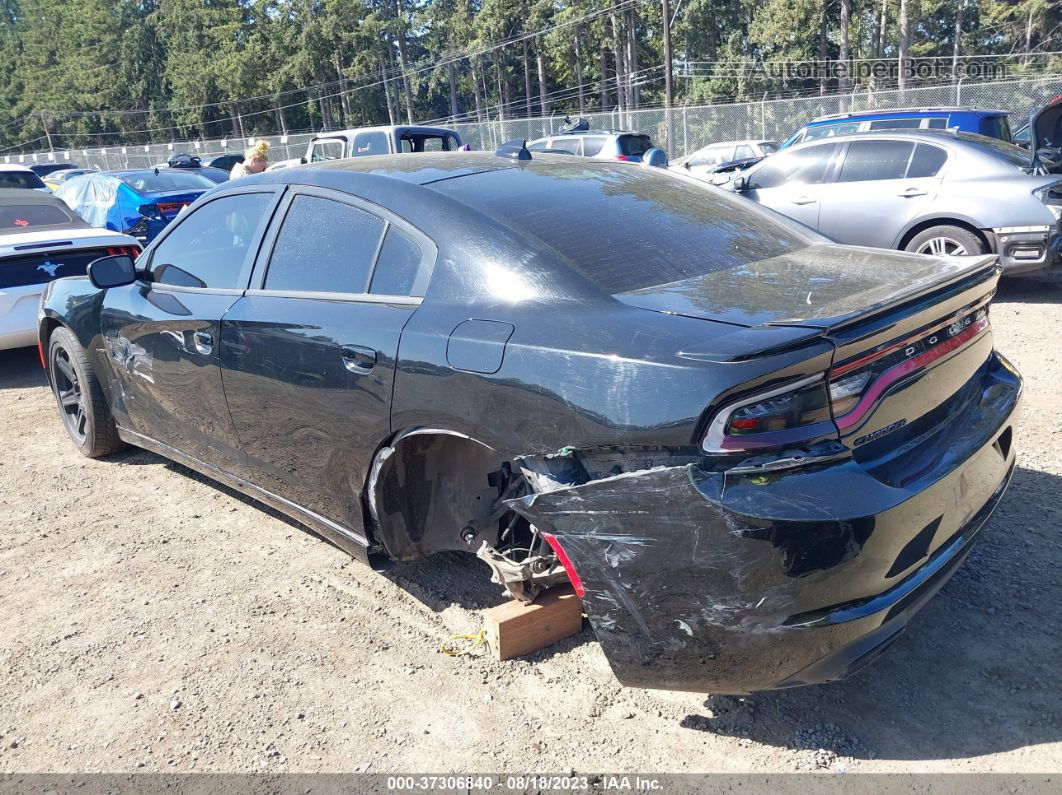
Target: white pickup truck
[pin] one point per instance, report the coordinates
(365, 141)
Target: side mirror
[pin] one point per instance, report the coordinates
(686, 165)
(116, 271)
(739, 184)
(303, 160)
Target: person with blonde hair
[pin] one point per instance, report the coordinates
(255, 160)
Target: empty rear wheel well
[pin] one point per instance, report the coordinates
(943, 222)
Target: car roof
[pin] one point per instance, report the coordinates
(860, 114)
(952, 136)
(384, 128)
(14, 167)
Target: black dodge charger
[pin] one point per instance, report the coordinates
(753, 453)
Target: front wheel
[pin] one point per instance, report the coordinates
(77, 391)
(946, 240)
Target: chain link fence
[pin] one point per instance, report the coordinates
(688, 128)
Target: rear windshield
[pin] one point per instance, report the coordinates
(165, 181)
(624, 228)
(20, 179)
(15, 217)
(1015, 154)
(635, 145)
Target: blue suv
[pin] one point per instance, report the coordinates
(992, 123)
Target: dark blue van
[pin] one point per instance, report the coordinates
(992, 123)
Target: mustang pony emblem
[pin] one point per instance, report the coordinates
(49, 267)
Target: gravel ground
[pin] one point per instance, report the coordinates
(155, 621)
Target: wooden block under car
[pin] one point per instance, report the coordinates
(515, 628)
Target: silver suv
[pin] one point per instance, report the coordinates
(578, 139)
(931, 192)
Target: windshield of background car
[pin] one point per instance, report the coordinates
(625, 228)
(634, 145)
(996, 127)
(830, 130)
(165, 181)
(798, 167)
(20, 179)
(15, 217)
(768, 147)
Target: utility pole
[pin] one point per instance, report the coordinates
(47, 133)
(668, 96)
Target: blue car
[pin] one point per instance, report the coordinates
(992, 123)
(139, 203)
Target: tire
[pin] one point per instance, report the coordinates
(82, 407)
(946, 240)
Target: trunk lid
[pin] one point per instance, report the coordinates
(824, 286)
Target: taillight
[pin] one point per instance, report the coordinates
(623, 157)
(787, 415)
(151, 211)
(127, 251)
(566, 563)
(857, 385)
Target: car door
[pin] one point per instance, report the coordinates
(793, 181)
(881, 185)
(308, 355)
(162, 333)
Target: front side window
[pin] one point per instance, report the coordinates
(324, 246)
(209, 247)
(537, 146)
(330, 149)
(743, 152)
(874, 160)
(800, 167)
(370, 143)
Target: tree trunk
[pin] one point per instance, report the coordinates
(884, 22)
(822, 47)
(344, 100)
(278, 115)
(905, 44)
(875, 36)
(475, 89)
(1029, 31)
(603, 68)
(543, 102)
(452, 69)
(579, 74)
(618, 49)
(400, 13)
(632, 62)
(387, 91)
(527, 81)
(846, 14)
(956, 44)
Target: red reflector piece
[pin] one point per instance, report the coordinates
(623, 157)
(566, 563)
(21, 222)
(40, 353)
(170, 207)
(745, 424)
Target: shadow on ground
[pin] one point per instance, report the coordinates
(20, 368)
(984, 652)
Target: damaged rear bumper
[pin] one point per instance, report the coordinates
(707, 581)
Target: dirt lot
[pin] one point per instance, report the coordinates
(152, 620)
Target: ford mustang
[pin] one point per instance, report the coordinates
(753, 453)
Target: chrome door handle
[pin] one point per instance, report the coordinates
(358, 359)
(912, 192)
(804, 200)
(204, 342)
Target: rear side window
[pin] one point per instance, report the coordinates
(331, 149)
(634, 145)
(593, 144)
(209, 247)
(895, 124)
(20, 179)
(421, 142)
(14, 217)
(927, 161)
(937, 124)
(397, 267)
(800, 167)
(996, 127)
(324, 246)
(569, 144)
(872, 160)
(371, 143)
